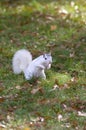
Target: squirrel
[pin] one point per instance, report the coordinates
(22, 62)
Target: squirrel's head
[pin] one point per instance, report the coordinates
(47, 57)
(47, 60)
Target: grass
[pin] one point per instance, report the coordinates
(56, 26)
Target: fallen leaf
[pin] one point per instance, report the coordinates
(60, 117)
(10, 117)
(74, 124)
(72, 3)
(67, 125)
(54, 88)
(1, 117)
(81, 114)
(64, 106)
(2, 99)
(27, 128)
(53, 27)
(35, 90)
(18, 87)
(2, 125)
(72, 55)
(44, 101)
(50, 18)
(63, 11)
(73, 79)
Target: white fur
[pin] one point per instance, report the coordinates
(22, 61)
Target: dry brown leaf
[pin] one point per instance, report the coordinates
(35, 90)
(27, 128)
(44, 101)
(53, 27)
(18, 87)
(50, 18)
(2, 99)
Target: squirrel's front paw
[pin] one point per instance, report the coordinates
(49, 66)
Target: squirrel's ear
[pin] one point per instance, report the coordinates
(44, 55)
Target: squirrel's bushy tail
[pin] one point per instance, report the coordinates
(21, 59)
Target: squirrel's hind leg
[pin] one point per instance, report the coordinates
(28, 76)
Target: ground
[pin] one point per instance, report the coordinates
(58, 27)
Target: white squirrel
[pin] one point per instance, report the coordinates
(22, 62)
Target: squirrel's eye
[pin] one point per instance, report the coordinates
(45, 58)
